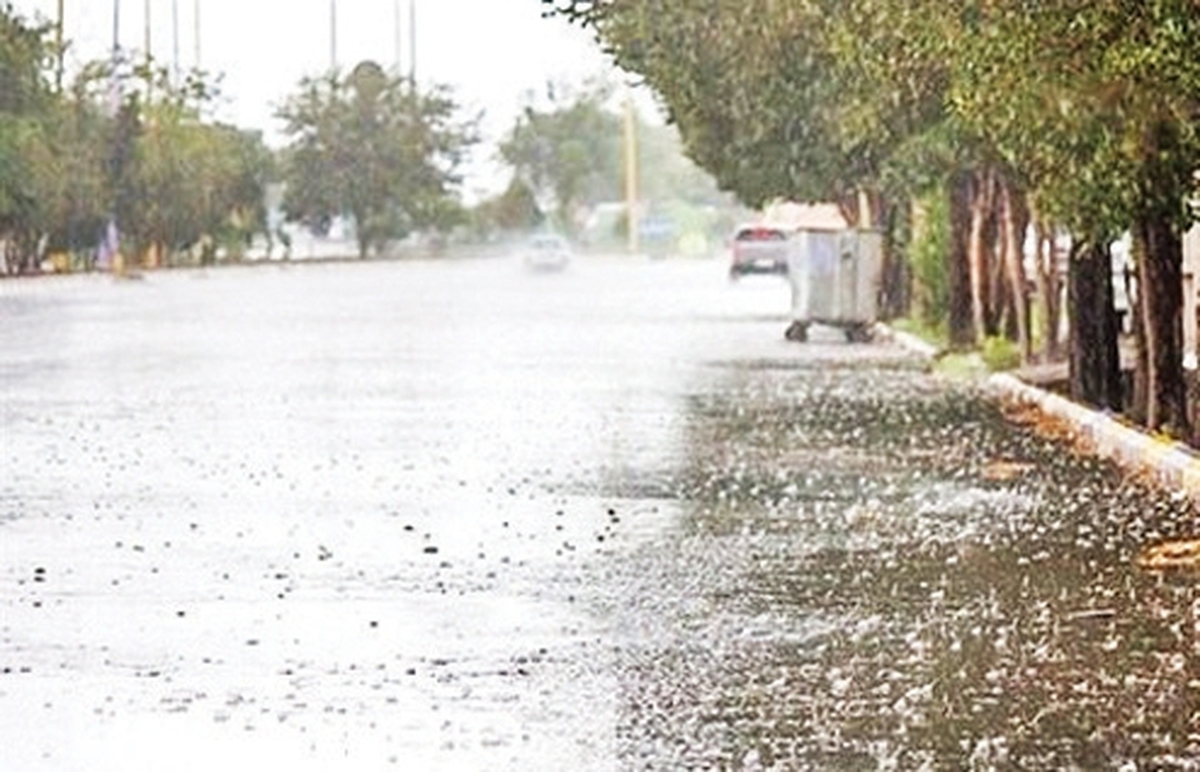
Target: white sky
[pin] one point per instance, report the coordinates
(492, 52)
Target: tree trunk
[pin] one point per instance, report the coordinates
(1050, 291)
(362, 233)
(1095, 364)
(1160, 314)
(959, 267)
(848, 205)
(6, 254)
(1014, 221)
(997, 316)
(897, 290)
(875, 212)
(977, 257)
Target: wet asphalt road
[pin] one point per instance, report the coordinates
(459, 516)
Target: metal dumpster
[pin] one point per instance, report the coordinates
(835, 278)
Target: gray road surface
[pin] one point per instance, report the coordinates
(459, 516)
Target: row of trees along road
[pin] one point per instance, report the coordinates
(131, 143)
(1075, 116)
(123, 142)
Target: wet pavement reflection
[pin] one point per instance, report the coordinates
(458, 516)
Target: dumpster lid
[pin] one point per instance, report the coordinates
(795, 216)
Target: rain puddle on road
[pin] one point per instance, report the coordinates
(875, 570)
(337, 517)
(453, 516)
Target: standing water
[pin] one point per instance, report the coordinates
(455, 515)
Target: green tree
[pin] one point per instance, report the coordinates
(371, 146)
(25, 98)
(1095, 102)
(515, 209)
(1085, 109)
(174, 181)
(762, 94)
(73, 183)
(568, 153)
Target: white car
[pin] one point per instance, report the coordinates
(547, 252)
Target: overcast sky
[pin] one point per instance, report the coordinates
(492, 52)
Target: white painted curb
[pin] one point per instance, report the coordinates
(1171, 464)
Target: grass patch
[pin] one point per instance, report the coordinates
(935, 335)
(965, 365)
(1000, 354)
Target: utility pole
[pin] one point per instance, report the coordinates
(412, 43)
(631, 175)
(175, 39)
(196, 30)
(111, 240)
(333, 35)
(398, 35)
(114, 85)
(148, 35)
(149, 47)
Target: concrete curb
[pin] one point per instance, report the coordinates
(1171, 464)
(910, 342)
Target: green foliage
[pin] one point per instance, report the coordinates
(24, 49)
(515, 209)
(929, 256)
(967, 366)
(800, 100)
(1000, 354)
(1088, 104)
(934, 334)
(568, 154)
(371, 146)
(121, 141)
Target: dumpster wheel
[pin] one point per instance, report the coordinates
(859, 333)
(797, 332)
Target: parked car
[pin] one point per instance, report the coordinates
(759, 249)
(546, 252)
